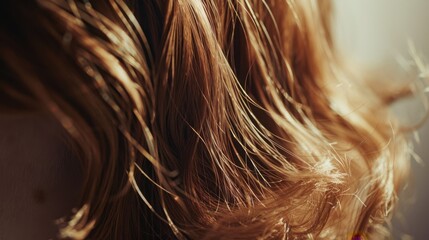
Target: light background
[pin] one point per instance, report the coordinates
(373, 32)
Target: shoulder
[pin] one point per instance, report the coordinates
(39, 178)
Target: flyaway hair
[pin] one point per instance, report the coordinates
(206, 119)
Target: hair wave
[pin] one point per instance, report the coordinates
(228, 119)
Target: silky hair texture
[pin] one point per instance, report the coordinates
(206, 119)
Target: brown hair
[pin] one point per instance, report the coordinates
(229, 119)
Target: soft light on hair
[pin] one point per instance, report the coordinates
(228, 119)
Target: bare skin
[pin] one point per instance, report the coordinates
(39, 177)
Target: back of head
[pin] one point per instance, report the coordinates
(205, 119)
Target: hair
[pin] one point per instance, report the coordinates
(204, 119)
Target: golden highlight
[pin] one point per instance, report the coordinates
(204, 119)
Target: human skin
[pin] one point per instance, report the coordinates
(39, 177)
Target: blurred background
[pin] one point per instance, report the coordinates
(376, 33)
